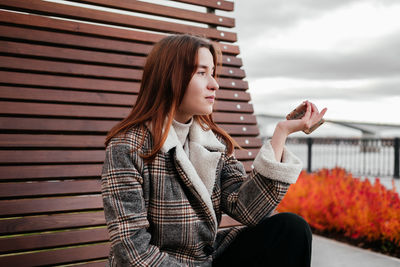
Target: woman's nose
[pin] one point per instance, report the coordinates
(212, 84)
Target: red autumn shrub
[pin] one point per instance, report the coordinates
(333, 200)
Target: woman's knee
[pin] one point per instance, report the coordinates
(291, 223)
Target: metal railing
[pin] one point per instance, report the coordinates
(377, 157)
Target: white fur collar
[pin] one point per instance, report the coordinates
(197, 135)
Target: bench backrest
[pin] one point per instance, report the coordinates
(68, 73)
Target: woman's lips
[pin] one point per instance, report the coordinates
(210, 99)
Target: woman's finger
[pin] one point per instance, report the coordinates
(322, 114)
(307, 115)
(314, 108)
(313, 113)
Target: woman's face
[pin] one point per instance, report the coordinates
(200, 94)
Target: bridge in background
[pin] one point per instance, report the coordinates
(367, 129)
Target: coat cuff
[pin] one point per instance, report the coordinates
(286, 171)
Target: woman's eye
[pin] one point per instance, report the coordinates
(202, 73)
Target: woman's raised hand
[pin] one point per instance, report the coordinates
(311, 117)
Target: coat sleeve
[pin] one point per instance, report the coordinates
(125, 211)
(249, 199)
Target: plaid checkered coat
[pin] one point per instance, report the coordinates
(167, 212)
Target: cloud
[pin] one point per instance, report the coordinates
(298, 90)
(332, 47)
(380, 60)
(256, 16)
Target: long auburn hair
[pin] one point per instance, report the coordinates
(166, 75)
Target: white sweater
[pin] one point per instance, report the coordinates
(182, 131)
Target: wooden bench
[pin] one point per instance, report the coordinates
(68, 73)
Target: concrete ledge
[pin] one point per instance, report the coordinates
(330, 253)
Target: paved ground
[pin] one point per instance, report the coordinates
(330, 253)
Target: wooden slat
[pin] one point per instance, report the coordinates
(97, 263)
(53, 52)
(66, 96)
(38, 21)
(54, 81)
(228, 117)
(248, 165)
(49, 240)
(98, 16)
(45, 109)
(78, 141)
(76, 69)
(50, 171)
(76, 41)
(233, 84)
(48, 140)
(52, 257)
(246, 154)
(73, 237)
(100, 126)
(68, 82)
(243, 130)
(71, 156)
(233, 95)
(249, 142)
(227, 221)
(26, 93)
(79, 69)
(231, 60)
(48, 51)
(220, 4)
(241, 107)
(49, 188)
(84, 170)
(61, 221)
(48, 205)
(231, 72)
(165, 11)
(227, 48)
(59, 125)
(51, 156)
(51, 222)
(94, 30)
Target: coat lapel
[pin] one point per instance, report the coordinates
(205, 153)
(200, 169)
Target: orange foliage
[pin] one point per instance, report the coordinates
(334, 200)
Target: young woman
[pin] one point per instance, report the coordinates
(170, 173)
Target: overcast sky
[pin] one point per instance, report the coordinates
(340, 54)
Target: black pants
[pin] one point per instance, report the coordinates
(281, 240)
